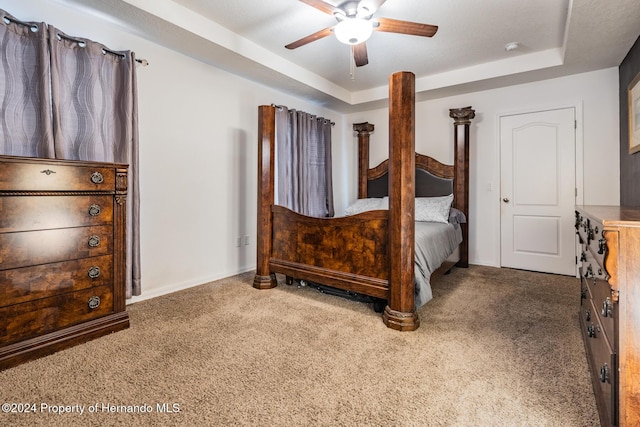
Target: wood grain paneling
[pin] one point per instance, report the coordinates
(355, 244)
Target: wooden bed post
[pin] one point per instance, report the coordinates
(400, 311)
(264, 279)
(461, 123)
(364, 130)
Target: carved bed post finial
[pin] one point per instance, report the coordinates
(462, 116)
(461, 123)
(264, 279)
(364, 130)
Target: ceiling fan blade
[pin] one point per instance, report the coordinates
(322, 6)
(404, 27)
(310, 38)
(360, 54)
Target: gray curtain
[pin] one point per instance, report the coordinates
(71, 98)
(95, 118)
(304, 177)
(26, 128)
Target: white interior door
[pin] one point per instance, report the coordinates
(538, 188)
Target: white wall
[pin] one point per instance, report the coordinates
(198, 153)
(595, 96)
(198, 150)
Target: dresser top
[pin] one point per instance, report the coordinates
(613, 215)
(62, 162)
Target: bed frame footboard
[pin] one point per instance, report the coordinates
(349, 253)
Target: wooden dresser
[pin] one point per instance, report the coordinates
(610, 309)
(62, 254)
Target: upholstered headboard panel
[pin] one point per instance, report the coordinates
(432, 178)
(427, 185)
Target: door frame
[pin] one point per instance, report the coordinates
(579, 161)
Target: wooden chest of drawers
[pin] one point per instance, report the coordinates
(610, 309)
(62, 254)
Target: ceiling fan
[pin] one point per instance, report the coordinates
(356, 24)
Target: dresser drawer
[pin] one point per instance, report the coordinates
(34, 318)
(42, 247)
(20, 285)
(600, 295)
(18, 213)
(593, 272)
(25, 176)
(601, 359)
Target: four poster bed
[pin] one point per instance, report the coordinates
(371, 253)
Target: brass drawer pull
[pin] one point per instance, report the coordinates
(94, 241)
(47, 172)
(589, 272)
(604, 373)
(602, 246)
(94, 272)
(97, 178)
(94, 302)
(94, 210)
(607, 307)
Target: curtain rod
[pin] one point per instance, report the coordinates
(82, 43)
(281, 107)
(34, 27)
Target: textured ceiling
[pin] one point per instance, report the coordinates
(247, 37)
(469, 33)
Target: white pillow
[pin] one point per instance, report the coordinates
(433, 209)
(364, 205)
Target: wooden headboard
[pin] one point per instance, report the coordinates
(432, 178)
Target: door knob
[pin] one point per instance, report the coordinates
(506, 200)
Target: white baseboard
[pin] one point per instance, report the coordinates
(175, 287)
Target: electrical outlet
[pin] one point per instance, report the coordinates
(238, 242)
(246, 240)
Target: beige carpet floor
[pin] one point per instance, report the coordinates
(496, 347)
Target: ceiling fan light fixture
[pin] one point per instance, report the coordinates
(353, 31)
